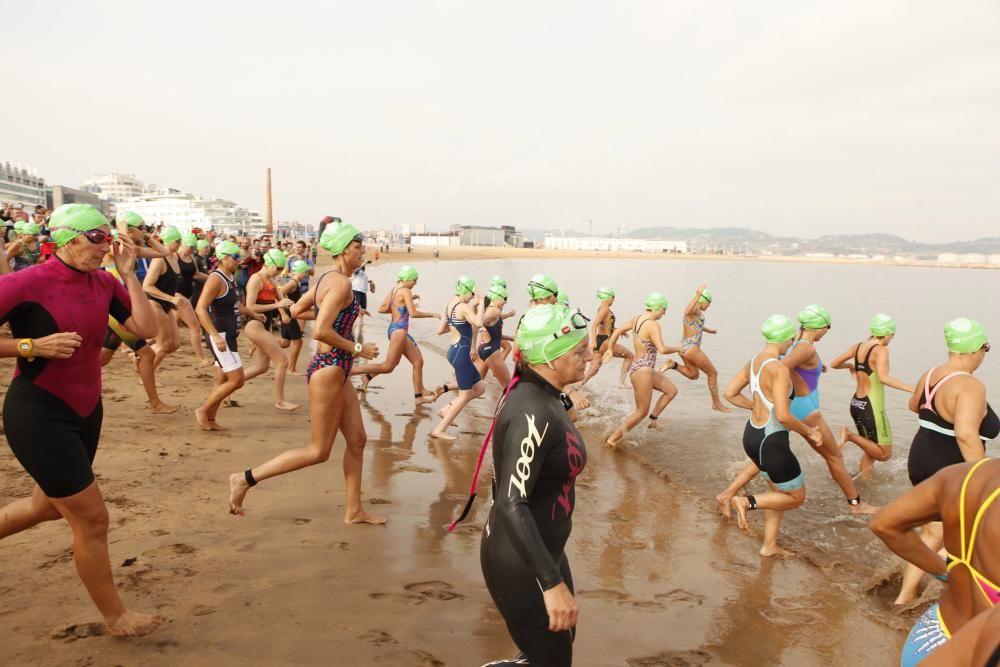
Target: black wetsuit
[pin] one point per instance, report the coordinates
(224, 311)
(292, 330)
(537, 455)
(166, 283)
(185, 283)
(203, 266)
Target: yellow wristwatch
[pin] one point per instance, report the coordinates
(25, 348)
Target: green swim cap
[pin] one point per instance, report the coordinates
(605, 293)
(203, 243)
(19, 226)
(131, 219)
(31, 228)
(497, 292)
(814, 316)
(170, 234)
(965, 335)
(274, 257)
(300, 267)
(562, 298)
(882, 325)
(226, 248)
(337, 237)
(778, 329)
(549, 331)
(465, 285)
(407, 273)
(706, 296)
(497, 280)
(541, 287)
(656, 301)
(189, 240)
(70, 220)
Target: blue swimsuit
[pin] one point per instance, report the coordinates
(495, 332)
(803, 406)
(403, 323)
(458, 354)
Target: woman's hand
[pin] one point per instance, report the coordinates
(123, 252)
(368, 351)
(219, 342)
(561, 607)
(56, 346)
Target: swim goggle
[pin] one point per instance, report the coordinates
(577, 321)
(541, 286)
(95, 236)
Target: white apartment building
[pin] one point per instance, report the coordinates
(612, 245)
(114, 187)
(21, 185)
(187, 211)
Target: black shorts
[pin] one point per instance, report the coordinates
(772, 454)
(291, 331)
(599, 342)
(55, 445)
(166, 305)
(362, 298)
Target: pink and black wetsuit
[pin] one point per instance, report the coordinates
(537, 455)
(52, 412)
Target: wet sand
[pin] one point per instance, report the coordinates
(661, 580)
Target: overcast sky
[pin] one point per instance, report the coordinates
(790, 117)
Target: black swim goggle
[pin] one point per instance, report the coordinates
(534, 284)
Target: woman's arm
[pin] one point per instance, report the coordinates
(781, 388)
(657, 339)
(253, 289)
(970, 407)
(595, 326)
(156, 269)
(734, 390)
(338, 295)
(411, 307)
(303, 308)
(882, 368)
(615, 335)
(846, 360)
(914, 403)
(798, 355)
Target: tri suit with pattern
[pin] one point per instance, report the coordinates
(537, 455)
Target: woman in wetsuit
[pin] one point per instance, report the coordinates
(399, 305)
(52, 411)
(603, 328)
(955, 422)
(695, 360)
(463, 321)
(219, 309)
(647, 340)
(806, 366)
(160, 285)
(333, 403)
(25, 251)
(964, 497)
(868, 361)
(491, 351)
(291, 329)
(263, 298)
(765, 437)
(190, 275)
(537, 456)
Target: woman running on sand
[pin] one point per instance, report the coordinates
(647, 339)
(463, 321)
(52, 412)
(265, 298)
(333, 403)
(695, 360)
(603, 327)
(491, 352)
(218, 312)
(399, 305)
(537, 456)
(868, 361)
(806, 366)
(190, 276)
(765, 438)
(160, 285)
(955, 421)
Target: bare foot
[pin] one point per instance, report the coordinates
(614, 439)
(292, 371)
(440, 435)
(842, 441)
(159, 385)
(438, 392)
(205, 363)
(423, 400)
(134, 624)
(203, 421)
(863, 508)
(719, 407)
(741, 505)
(161, 408)
(770, 552)
(215, 425)
(669, 365)
(364, 517)
(904, 600)
(656, 424)
(238, 488)
(725, 508)
(365, 380)
(286, 406)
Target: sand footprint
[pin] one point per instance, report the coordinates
(301, 522)
(409, 658)
(436, 590)
(377, 638)
(678, 595)
(71, 633)
(671, 659)
(407, 599)
(410, 467)
(602, 594)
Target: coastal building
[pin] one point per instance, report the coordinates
(58, 195)
(972, 258)
(115, 186)
(435, 240)
(948, 258)
(993, 259)
(415, 229)
(20, 185)
(497, 237)
(187, 211)
(602, 244)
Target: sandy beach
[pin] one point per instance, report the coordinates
(661, 580)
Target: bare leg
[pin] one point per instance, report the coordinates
(145, 364)
(186, 313)
(167, 336)
(724, 499)
(496, 364)
(326, 409)
(416, 359)
(774, 503)
(88, 518)
(353, 428)
(225, 385)
(695, 357)
(873, 451)
(626, 354)
(834, 458)
(464, 396)
(255, 332)
(668, 390)
(642, 387)
(271, 351)
(27, 512)
(933, 536)
(293, 357)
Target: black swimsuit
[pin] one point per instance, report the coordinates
(537, 455)
(166, 283)
(185, 283)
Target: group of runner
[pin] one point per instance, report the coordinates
(537, 450)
